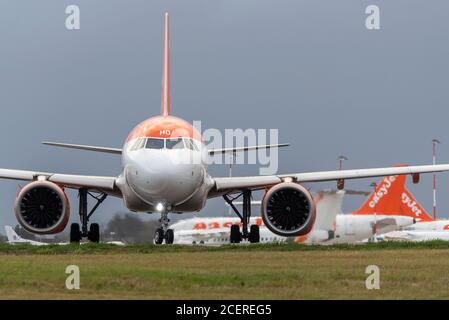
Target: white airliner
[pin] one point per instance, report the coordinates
(426, 228)
(157, 177)
(331, 225)
(14, 238)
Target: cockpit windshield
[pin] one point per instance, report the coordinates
(161, 143)
(138, 144)
(155, 143)
(175, 143)
(190, 144)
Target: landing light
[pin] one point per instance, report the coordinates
(159, 207)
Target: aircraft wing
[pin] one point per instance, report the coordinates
(83, 147)
(225, 185)
(119, 151)
(247, 148)
(93, 183)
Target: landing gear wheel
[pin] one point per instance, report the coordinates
(169, 236)
(158, 236)
(94, 233)
(75, 233)
(236, 236)
(254, 234)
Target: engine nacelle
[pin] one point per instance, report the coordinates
(42, 207)
(288, 209)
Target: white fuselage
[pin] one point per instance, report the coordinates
(437, 225)
(420, 231)
(415, 236)
(348, 229)
(26, 241)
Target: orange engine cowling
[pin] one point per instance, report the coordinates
(42, 207)
(288, 209)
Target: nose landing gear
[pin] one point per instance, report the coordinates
(164, 233)
(158, 236)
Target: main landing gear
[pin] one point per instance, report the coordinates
(253, 234)
(164, 233)
(92, 233)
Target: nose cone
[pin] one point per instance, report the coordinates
(162, 176)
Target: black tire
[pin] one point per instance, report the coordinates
(236, 236)
(169, 236)
(158, 236)
(254, 234)
(75, 233)
(94, 233)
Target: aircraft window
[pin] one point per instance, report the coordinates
(174, 143)
(138, 144)
(196, 144)
(155, 143)
(132, 146)
(190, 145)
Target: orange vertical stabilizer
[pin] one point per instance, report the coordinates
(391, 197)
(166, 100)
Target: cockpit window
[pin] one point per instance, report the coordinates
(190, 145)
(160, 143)
(175, 143)
(138, 144)
(155, 143)
(196, 144)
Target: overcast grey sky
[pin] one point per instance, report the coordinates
(309, 68)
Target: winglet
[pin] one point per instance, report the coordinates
(166, 100)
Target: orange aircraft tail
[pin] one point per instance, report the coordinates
(391, 197)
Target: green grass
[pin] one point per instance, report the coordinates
(283, 271)
(90, 248)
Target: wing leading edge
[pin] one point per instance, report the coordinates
(83, 147)
(94, 183)
(234, 184)
(119, 151)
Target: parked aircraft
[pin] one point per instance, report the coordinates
(405, 204)
(14, 238)
(331, 225)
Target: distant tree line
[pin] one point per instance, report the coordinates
(126, 227)
(129, 228)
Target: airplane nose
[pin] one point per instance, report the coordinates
(160, 179)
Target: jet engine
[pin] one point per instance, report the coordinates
(42, 207)
(288, 209)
